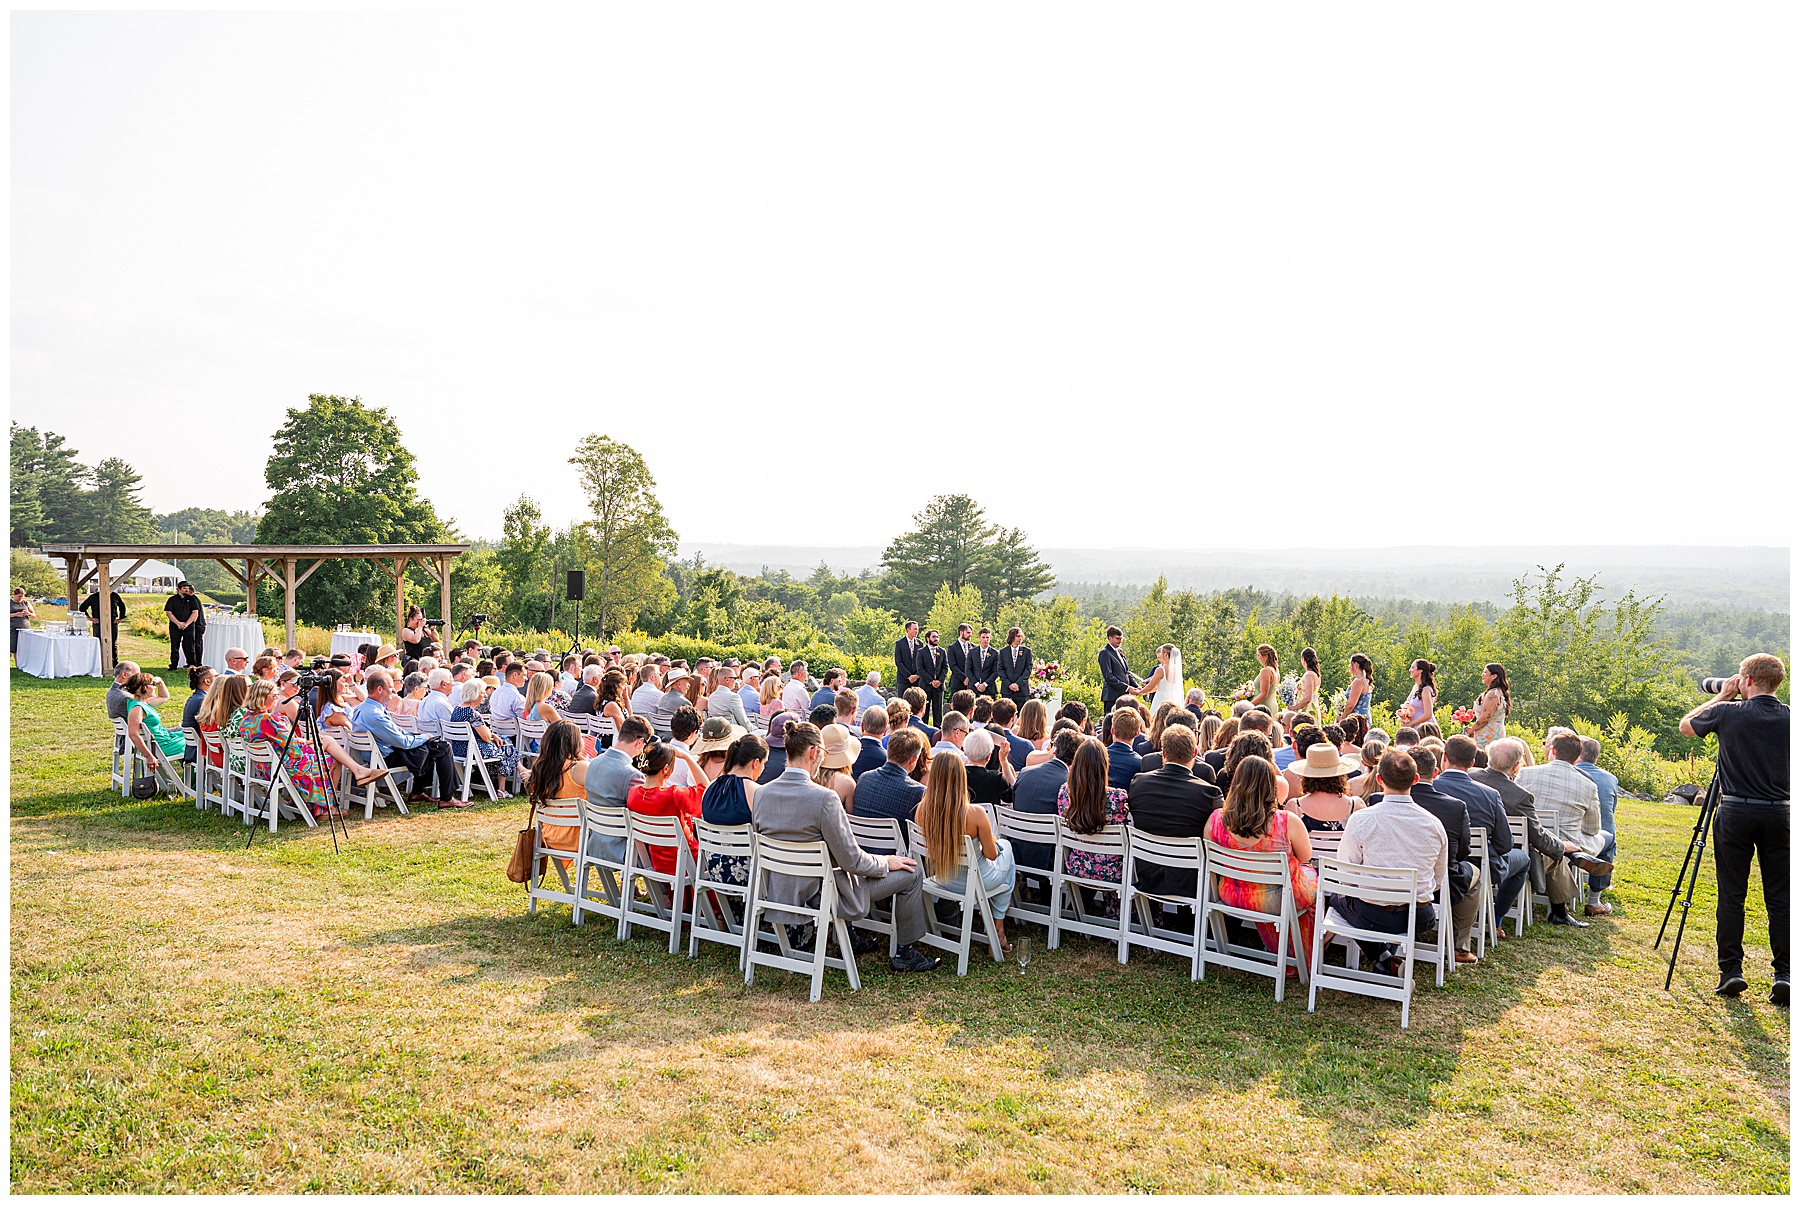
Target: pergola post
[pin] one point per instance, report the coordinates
(72, 568)
(287, 572)
(104, 617)
(250, 576)
(444, 595)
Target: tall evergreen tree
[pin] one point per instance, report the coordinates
(952, 544)
(114, 515)
(1012, 569)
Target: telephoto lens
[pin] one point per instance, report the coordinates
(1713, 686)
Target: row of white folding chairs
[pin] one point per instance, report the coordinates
(607, 883)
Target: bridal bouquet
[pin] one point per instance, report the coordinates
(1043, 676)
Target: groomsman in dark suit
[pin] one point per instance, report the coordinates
(961, 654)
(933, 667)
(1116, 678)
(1015, 668)
(984, 665)
(906, 657)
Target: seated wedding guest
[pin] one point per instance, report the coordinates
(1400, 834)
(264, 668)
(1076, 710)
(990, 776)
(1353, 730)
(607, 780)
(427, 757)
(1405, 737)
(750, 689)
(843, 705)
(1181, 718)
(795, 696)
(690, 690)
(915, 705)
(954, 732)
(1170, 802)
(1220, 748)
(237, 661)
(888, 790)
(899, 716)
(335, 703)
(832, 682)
(1195, 702)
(724, 701)
(222, 701)
(1285, 759)
(658, 795)
(648, 692)
(490, 749)
(562, 774)
(586, 698)
(769, 698)
(1017, 747)
(1453, 814)
(412, 693)
(144, 726)
(960, 700)
(508, 700)
(1036, 790)
(982, 714)
(538, 705)
(1568, 805)
(1034, 729)
(728, 800)
(1088, 803)
(713, 742)
(434, 711)
(615, 701)
(869, 693)
(841, 751)
(1210, 723)
(945, 817)
(822, 715)
(1323, 803)
(682, 727)
(777, 742)
(1252, 819)
(1249, 745)
(1608, 787)
(256, 721)
(287, 695)
(1507, 867)
(200, 680)
(794, 808)
(874, 750)
(1123, 761)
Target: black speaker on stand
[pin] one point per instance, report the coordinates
(576, 592)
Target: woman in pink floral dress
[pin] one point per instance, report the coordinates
(1087, 804)
(1251, 819)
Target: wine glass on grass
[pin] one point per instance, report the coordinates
(1024, 953)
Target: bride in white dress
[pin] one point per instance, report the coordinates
(1166, 681)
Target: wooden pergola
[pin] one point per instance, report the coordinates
(280, 563)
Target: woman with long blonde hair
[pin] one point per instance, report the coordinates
(945, 817)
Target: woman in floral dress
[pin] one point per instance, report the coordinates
(504, 752)
(258, 721)
(1251, 819)
(1491, 708)
(1087, 804)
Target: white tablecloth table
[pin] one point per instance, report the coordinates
(45, 656)
(349, 642)
(230, 631)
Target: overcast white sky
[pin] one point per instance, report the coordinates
(1531, 264)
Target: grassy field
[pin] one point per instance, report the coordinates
(187, 1015)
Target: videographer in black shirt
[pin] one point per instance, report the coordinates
(1752, 816)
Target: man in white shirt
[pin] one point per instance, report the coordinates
(683, 724)
(649, 690)
(508, 700)
(794, 696)
(868, 695)
(1398, 833)
(435, 708)
(952, 735)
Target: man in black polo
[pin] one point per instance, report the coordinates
(1752, 818)
(187, 624)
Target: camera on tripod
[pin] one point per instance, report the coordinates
(477, 619)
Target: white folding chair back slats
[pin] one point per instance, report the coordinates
(127, 759)
(717, 913)
(1375, 885)
(547, 859)
(362, 745)
(280, 795)
(1174, 853)
(613, 830)
(1520, 912)
(1324, 842)
(879, 835)
(470, 764)
(529, 730)
(805, 860)
(1441, 953)
(971, 898)
(1108, 842)
(1484, 911)
(211, 774)
(190, 770)
(1035, 828)
(1265, 868)
(665, 893)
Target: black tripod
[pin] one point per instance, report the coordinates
(1695, 855)
(305, 716)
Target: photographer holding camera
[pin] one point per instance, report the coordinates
(1752, 816)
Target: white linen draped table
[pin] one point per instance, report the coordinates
(230, 631)
(53, 656)
(349, 642)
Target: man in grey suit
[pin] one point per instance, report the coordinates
(1550, 869)
(795, 808)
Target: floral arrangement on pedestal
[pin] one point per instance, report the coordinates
(1043, 676)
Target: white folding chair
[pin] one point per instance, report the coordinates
(1325, 843)
(471, 763)
(564, 813)
(612, 829)
(530, 730)
(1441, 953)
(1037, 828)
(363, 747)
(126, 760)
(1109, 841)
(665, 892)
(237, 777)
(1172, 853)
(405, 723)
(1374, 885)
(801, 860)
(971, 897)
(211, 774)
(190, 770)
(1520, 912)
(880, 835)
(603, 730)
(506, 729)
(1267, 868)
(719, 907)
(1484, 911)
(267, 773)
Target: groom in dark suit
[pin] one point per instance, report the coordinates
(906, 656)
(1116, 678)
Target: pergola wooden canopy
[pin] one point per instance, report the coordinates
(278, 562)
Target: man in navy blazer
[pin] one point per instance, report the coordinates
(1508, 868)
(960, 653)
(932, 666)
(1015, 668)
(1035, 791)
(984, 664)
(906, 655)
(1116, 678)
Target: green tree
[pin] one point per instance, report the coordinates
(871, 632)
(951, 607)
(46, 490)
(342, 475)
(525, 569)
(1012, 569)
(630, 538)
(112, 512)
(38, 577)
(949, 545)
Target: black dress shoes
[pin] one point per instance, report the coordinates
(1560, 916)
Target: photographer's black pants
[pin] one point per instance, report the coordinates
(428, 762)
(1740, 830)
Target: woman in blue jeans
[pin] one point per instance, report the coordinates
(945, 817)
